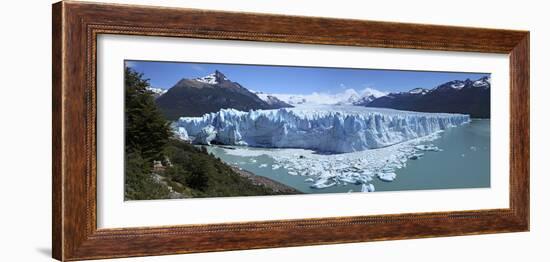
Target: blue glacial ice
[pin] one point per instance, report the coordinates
(331, 129)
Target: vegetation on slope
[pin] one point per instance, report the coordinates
(187, 171)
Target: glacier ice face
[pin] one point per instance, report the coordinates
(181, 133)
(323, 128)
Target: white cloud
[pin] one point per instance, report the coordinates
(372, 91)
(329, 98)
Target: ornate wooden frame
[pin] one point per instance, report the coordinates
(76, 26)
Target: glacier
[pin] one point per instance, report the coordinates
(322, 128)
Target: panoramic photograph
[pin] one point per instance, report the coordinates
(196, 130)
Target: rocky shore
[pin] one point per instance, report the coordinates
(269, 183)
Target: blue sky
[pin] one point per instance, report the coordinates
(297, 80)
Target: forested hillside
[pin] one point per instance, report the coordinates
(181, 170)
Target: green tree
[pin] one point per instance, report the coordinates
(147, 131)
(200, 169)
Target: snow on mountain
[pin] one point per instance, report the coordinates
(373, 92)
(157, 91)
(196, 97)
(483, 82)
(419, 90)
(467, 96)
(458, 85)
(272, 100)
(212, 79)
(347, 97)
(465, 84)
(324, 128)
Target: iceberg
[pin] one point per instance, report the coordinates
(322, 128)
(388, 177)
(367, 188)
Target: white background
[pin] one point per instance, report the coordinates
(25, 147)
(114, 212)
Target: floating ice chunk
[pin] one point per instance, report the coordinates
(416, 156)
(473, 148)
(323, 183)
(351, 180)
(263, 165)
(253, 160)
(428, 148)
(388, 177)
(367, 188)
(275, 167)
(309, 180)
(292, 173)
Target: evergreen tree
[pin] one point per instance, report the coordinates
(147, 131)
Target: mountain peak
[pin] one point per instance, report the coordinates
(468, 83)
(213, 78)
(418, 90)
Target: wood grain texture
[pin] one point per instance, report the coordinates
(76, 26)
(57, 195)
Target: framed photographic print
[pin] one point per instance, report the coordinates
(182, 130)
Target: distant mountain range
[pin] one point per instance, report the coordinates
(471, 97)
(196, 97)
(347, 97)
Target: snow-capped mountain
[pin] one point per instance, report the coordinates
(471, 97)
(325, 128)
(272, 100)
(419, 91)
(213, 79)
(347, 97)
(157, 91)
(196, 97)
(484, 82)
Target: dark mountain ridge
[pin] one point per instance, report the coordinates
(458, 96)
(196, 97)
